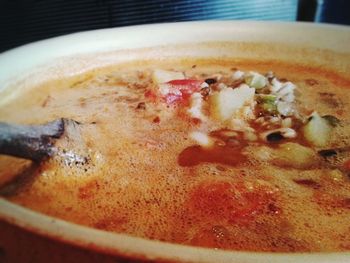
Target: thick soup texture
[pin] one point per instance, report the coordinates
(237, 155)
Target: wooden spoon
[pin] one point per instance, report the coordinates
(32, 142)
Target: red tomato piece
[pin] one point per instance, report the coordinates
(186, 85)
(149, 94)
(181, 89)
(225, 200)
(346, 165)
(171, 98)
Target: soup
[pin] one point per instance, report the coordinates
(237, 155)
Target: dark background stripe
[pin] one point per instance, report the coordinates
(24, 21)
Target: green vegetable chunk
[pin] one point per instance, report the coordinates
(317, 131)
(268, 103)
(255, 80)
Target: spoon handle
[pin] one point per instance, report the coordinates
(33, 142)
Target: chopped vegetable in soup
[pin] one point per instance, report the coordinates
(220, 154)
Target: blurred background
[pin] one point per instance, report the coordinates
(24, 21)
